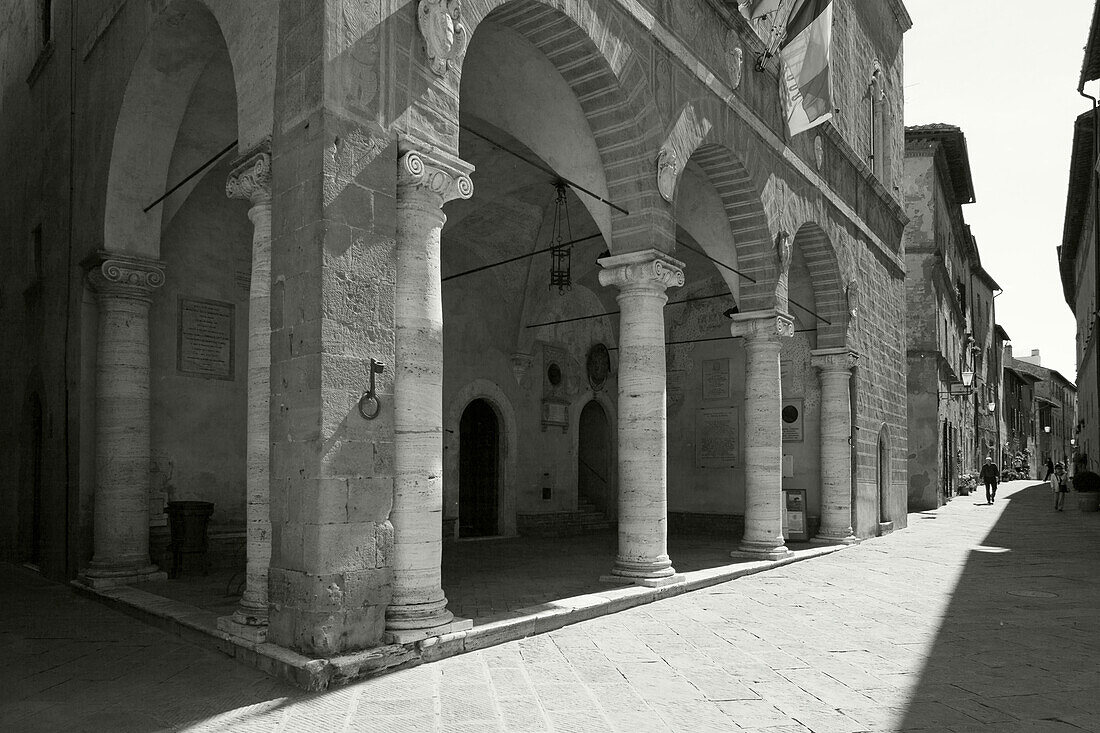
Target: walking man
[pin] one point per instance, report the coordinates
(990, 475)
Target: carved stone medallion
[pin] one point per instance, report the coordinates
(668, 167)
(445, 37)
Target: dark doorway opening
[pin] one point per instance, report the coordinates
(594, 458)
(33, 514)
(478, 470)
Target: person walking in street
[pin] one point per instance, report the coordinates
(990, 475)
(1060, 484)
(1050, 469)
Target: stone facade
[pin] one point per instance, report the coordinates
(392, 176)
(950, 324)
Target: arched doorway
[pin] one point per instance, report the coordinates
(883, 476)
(478, 470)
(594, 458)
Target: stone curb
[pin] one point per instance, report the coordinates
(200, 627)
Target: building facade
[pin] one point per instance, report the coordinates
(1077, 255)
(370, 276)
(1054, 408)
(953, 365)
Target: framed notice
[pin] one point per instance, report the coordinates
(717, 440)
(792, 421)
(716, 379)
(794, 515)
(204, 338)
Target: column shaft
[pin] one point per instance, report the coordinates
(418, 601)
(835, 368)
(121, 517)
(642, 278)
(763, 433)
(251, 179)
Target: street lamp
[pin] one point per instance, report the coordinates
(992, 407)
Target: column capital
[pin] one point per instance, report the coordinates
(251, 175)
(834, 360)
(647, 269)
(116, 273)
(427, 168)
(760, 325)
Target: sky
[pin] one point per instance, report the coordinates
(1006, 72)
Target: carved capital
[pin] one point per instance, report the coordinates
(434, 172)
(668, 168)
(251, 176)
(445, 37)
(644, 270)
(834, 361)
(767, 325)
(125, 275)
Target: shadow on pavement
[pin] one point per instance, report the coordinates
(1018, 648)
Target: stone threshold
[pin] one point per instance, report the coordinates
(200, 627)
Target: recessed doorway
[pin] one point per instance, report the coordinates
(478, 470)
(594, 458)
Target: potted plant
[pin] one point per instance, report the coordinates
(1087, 485)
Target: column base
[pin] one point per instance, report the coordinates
(418, 616)
(651, 573)
(761, 551)
(102, 578)
(613, 579)
(255, 633)
(835, 538)
(410, 636)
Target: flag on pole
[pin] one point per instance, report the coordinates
(753, 9)
(805, 86)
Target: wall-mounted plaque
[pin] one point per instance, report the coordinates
(792, 421)
(716, 379)
(204, 338)
(794, 515)
(717, 440)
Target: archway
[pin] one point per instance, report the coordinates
(594, 459)
(478, 470)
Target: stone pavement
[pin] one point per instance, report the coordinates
(976, 618)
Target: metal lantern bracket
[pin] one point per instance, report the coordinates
(369, 404)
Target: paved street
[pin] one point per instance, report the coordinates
(976, 618)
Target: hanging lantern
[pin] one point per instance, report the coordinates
(561, 239)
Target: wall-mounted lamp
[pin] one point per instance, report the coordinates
(992, 407)
(1046, 429)
(966, 383)
(1073, 442)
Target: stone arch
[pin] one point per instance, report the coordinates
(490, 392)
(748, 222)
(584, 42)
(181, 40)
(605, 401)
(831, 299)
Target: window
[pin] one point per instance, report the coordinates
(46, 20)
(36, 252)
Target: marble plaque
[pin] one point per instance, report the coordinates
(717, 440)
(792, 421)
(204, 338)
(716, 379)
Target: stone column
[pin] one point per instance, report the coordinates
(124, 287)
(642, 278)
(835, 369)
(425, 181)
(251, 180)
(763, 440)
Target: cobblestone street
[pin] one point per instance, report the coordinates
(976, 618)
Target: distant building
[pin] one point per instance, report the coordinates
(952, 352)
(1052, 411)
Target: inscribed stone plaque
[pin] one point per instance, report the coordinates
(792, 421)
(716, 379)
(717, 441)
(204, 340)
